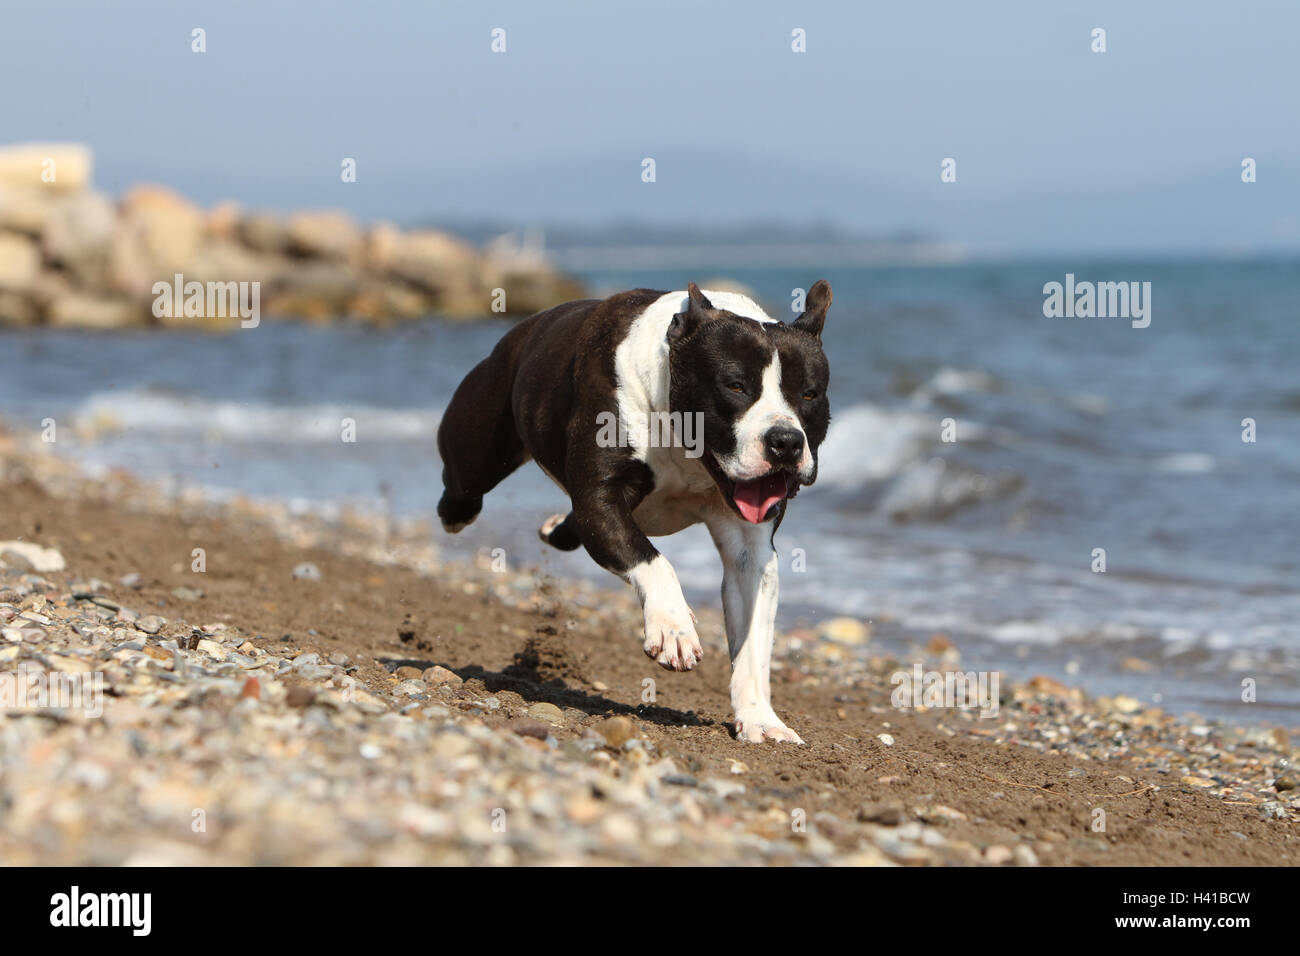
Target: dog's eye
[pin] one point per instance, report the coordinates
(737, 387)
(809, 395)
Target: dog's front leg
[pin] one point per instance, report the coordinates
(749, 597)
(602, 516)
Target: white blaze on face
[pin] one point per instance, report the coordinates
(770, 410)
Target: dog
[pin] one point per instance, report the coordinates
(757, 388)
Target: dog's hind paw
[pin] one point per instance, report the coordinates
(457, 514)
(558, 531)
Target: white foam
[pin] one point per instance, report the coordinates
(165, 414)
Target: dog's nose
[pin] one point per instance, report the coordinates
(784, 445)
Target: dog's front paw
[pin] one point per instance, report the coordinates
(670, 638)
(759, 726)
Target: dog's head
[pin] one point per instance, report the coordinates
(761, 388)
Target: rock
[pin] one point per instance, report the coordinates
(222, 220)
(1282, 784)
(434, 676)
(886, 739)
(530, 728)
(314, 290)
(845, 630)
(265, 233)
(57, 167)
(386, 299)
(300, 696)
(428, 258)
(157, 235)
(20, 262)
(1024, 855)
(134, 581)
(998, 855)
(410, 688)
(546, 711)
(940, 646)
(888, 814)
(18, 309)
(1125, 704)
(1193, 781)
(82, 311)
(406, 672)
(32, 556)
(152, 624)
(252, 689)
(77, 236)
(25, 209)
(307, 572)
(616, 731)
(1042, 684)
(939, 814)
(328, 235)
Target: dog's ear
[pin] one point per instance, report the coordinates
(698, 309)
(815, 304)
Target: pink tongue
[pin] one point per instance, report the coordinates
(753, 498)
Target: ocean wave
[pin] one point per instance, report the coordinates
(165, 413)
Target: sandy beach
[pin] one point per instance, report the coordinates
(334, 693)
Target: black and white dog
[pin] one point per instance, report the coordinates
(751, 390)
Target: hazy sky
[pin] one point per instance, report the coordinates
(854, 129)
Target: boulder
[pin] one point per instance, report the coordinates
(222, 221)
(327, 235)
(77, 236)
(222, 260)
(158, 234)
(265, 233)
(60, 167)
(17, 309)
(380, 299)
(20, 262)
(86, 311)
(318, 290)
(432, 260)
(24, 209)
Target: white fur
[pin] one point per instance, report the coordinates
(670, 636)
(684, 495)
(769, 410)
(749, 598)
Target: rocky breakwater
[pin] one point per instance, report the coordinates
(73, 257)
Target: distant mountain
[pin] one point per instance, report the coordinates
(702, 189)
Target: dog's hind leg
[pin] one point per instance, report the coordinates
(478, 442)
(560, 531)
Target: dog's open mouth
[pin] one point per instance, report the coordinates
(754, 499)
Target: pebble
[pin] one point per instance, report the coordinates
(886, 739)
(546, 711)
(616, 731)
(845, 630)
(435, 676)
(998, 855)
(151, 624)
(28, 556)
(307, 572)
(530, 728)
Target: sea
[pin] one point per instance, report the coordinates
(1113, 506)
